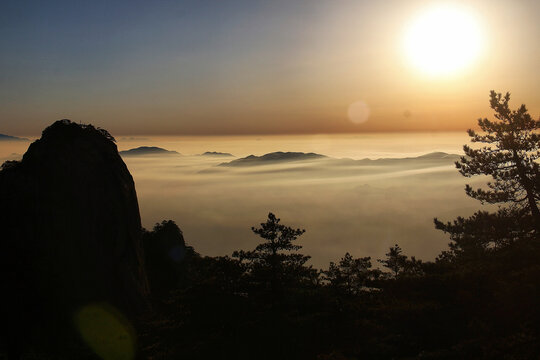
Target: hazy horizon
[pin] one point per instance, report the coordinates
(356, 146)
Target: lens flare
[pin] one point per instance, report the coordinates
(358, 112)
(106, 332)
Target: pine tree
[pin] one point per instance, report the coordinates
(350, 275)
(275, 261)
(395, 260)
(509, 157)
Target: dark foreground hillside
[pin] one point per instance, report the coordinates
(477, 308)
(83, 280)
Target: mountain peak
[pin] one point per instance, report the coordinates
(217, 154)
(65, 127)
(4, 137)
(147, 150)
(436, 155)
(274, 157)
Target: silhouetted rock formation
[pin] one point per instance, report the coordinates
(71, 229)
(167, 257)
(275, 157)
(147, 150)
(11, 138)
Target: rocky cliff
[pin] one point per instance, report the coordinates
(70, 227)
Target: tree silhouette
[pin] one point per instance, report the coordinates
(275, 261)
(513, 146)
(395, 260)
(350, 275)
(509, 157)
(484, 231)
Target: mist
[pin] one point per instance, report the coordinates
(353, 205)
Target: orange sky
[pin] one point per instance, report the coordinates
(242, 67)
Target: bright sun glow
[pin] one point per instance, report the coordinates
(443, 39)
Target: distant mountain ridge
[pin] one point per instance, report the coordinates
(11, 138)
(217, 154)
(283, 157)
(438, 155)
(147, 150)
(274, 157)
(433, 156)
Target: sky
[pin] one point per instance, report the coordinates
(236, 67)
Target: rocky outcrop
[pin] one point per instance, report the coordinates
(70, 226)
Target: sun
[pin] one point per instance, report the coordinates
(443, 39)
